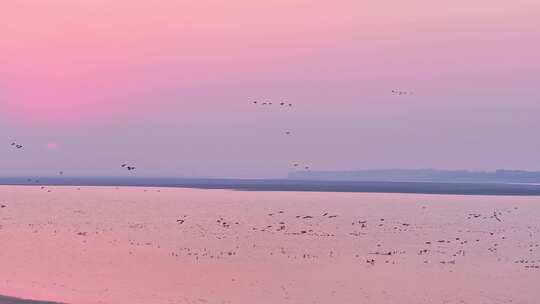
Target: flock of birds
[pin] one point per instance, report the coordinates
(281, 104)
(260, 103)
(16, 145)
(269, 103)
(326, 227)
(483, 235)
(314, 236)
(399, 92)
(129, 168)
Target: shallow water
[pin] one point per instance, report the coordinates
(151, 245)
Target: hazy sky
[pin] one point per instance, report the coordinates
(167, 85)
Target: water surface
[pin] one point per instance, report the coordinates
(173, 245)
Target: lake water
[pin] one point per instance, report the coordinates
(170, 245)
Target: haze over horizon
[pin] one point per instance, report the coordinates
(168, 87)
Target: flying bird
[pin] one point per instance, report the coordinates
(128, 167)
(399, 93)
(16, 145)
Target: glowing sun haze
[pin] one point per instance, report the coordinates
(172, 81)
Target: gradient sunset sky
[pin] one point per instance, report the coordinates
(168, 85)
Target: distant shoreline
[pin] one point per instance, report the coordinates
(500, 176)
(11, 300)
(413, 187)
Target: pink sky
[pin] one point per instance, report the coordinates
(72, 67)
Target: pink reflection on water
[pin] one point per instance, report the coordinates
(134, 245)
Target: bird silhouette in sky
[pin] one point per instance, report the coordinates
(128, 167)
(16, 145)
(399, 93)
